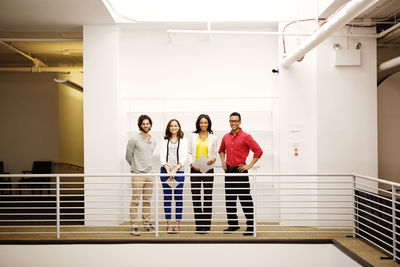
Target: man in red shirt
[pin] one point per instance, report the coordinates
(236, 146)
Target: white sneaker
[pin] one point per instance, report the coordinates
(149, 227)
(135, 232)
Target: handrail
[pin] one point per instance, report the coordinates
(280, 199)
(163, 174)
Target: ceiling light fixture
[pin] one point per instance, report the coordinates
(336, 46)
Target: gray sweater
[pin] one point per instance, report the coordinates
(139, 154)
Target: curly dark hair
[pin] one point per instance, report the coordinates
(141, 119)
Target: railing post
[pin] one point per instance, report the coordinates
(394, 221)
(255, 205)
(355, 207)
(157, 225)
(58, 206)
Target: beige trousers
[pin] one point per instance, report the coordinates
(141, 187)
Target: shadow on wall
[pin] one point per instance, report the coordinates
(389, 128)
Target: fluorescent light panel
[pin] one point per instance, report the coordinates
(195, 10)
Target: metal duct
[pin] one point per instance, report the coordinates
(348, 12)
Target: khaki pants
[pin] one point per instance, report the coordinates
(141, 186)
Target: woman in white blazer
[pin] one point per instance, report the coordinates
(202, 143)
(173, 156)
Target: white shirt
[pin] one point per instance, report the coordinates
(183, 148)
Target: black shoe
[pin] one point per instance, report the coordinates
(249, 231)
(231, 229)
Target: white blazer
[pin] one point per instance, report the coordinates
(183, 154)
(212, 147)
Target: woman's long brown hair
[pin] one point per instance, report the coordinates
(168, 133)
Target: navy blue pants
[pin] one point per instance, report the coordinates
(168, 195)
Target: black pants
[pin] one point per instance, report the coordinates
(238, 187)
(202, 210)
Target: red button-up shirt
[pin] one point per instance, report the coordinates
(237, 147)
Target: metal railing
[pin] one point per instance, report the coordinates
(71, 205)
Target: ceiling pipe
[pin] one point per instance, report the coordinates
(39, 40)
(390, 36)
(36, 62)
(394, 62)
(351, 10)
(70, 84)
(394, 27)
(171, 31)
(42, 69)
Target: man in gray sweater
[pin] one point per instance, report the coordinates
(139, 154)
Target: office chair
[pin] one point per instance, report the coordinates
(4, 179)
(39, 167)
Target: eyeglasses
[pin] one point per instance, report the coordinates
(234, 121)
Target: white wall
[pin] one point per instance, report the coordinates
(298, 128)
(144, 63)
(100, 99)
(346, 117)
(101, 133)
(347, 109)
(29, 119)
(147, 64)
(70, 108)
(331, 112)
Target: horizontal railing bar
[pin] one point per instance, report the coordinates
(215, 182)
(38, 220)
(30, 202)
(25, 233)
(216, 232)
(105, 175)
(186, 206)
(373, 215)
(383, 212)
(335, 188)
(308, 232)
(28, 226)
(390, 245)
(375, 230)
(375, 223)
(376, 180)
(371, 187)
(375, 202)
(375, 195)
(191, 207)
(360, 235)
(160, 201)
(299, 213)
(35, 195)
(129, 226)
(161, 231)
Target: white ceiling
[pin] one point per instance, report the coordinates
(51, 15)
(48, 19)
(64, 19)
